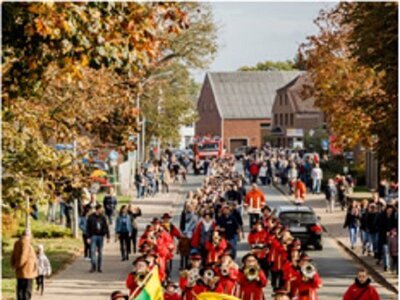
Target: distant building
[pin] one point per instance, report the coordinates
(187, 134)
(237, 105)
(293, 117)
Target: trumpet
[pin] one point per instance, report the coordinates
(251, 273)
(209, 274)
(224, 271)
(140, 276)
(308, 270)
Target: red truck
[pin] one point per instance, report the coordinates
(208, 147)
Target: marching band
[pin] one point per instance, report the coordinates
(273, 253)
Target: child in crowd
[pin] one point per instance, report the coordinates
(44, 268)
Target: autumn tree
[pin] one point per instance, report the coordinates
(270, 65)
(54, 57)
(352, 63)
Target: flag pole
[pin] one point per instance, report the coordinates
(131, 297)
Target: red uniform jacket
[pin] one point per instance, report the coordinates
(358, 292)
(280, 258)
(132, 285)
(290, 277)
(251, 290)
(261, 237)
(173, 296)
(254, 169)
(274, 244)
(214, 252)
(192, 293)
(228, 284)
(255, 199)
(308, 290)
(197, 234)
(172, 230)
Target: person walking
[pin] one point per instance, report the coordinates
(139, 183)
(352, 222)
(372, 219)
(254, 202)
(262, 174)
(110, 204)
(123, 231)
(229, 225)
(44, 268)
(330, 196)
(292, 177)
(316, 176)
(134, 212)
(24, 262)
(361, 289)
(83, 227)
(97, 228)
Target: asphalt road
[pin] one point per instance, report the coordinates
(335, 266)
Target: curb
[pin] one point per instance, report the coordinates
(377, 276)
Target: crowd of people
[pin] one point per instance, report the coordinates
(210, 228)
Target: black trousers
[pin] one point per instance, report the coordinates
(134, 239)
(40, 284)
(253, 218)
(24, 289)
(125, 244)
(86, 251)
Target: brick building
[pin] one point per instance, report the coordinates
(293, 117)
(237, 105)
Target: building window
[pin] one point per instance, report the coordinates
(280, 100)
(286, 119)
(275, 119)
(291, 120)
(286, 99)
(280, 119)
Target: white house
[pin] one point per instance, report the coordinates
(187, 135)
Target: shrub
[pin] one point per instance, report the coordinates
(42, 229)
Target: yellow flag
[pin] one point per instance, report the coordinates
(215, 296)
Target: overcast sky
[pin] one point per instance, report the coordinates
(254, 32)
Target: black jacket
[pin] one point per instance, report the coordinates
(97, 225)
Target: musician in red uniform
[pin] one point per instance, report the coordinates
(252, 279)
(361, 289)
(258, 240)
(228, 273)
(135, 278)
(308, 283)
(254, 202)
(215, 248)
(188, 278)
(170, 292)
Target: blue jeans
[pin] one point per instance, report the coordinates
(365, 240)
(386, 258)
(317, 185)
(97, 241)
(353, 235)
(139, 191)
(373, 238)
(233, 242)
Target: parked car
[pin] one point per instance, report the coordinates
(302, 223)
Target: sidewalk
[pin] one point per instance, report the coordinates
(333, 225)
(75, 282)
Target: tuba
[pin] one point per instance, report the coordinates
(224, 271)
(251, 273)
(308, 270)
(192, 276)
(209, 274)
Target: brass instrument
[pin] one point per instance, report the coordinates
(308, 270)
(224, 271)
(216, 240)
(209, 274)
(140, 277)
(192, 275)
(251, 273)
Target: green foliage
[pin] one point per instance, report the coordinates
(315, 140)
(269, 65)
(43, 230)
